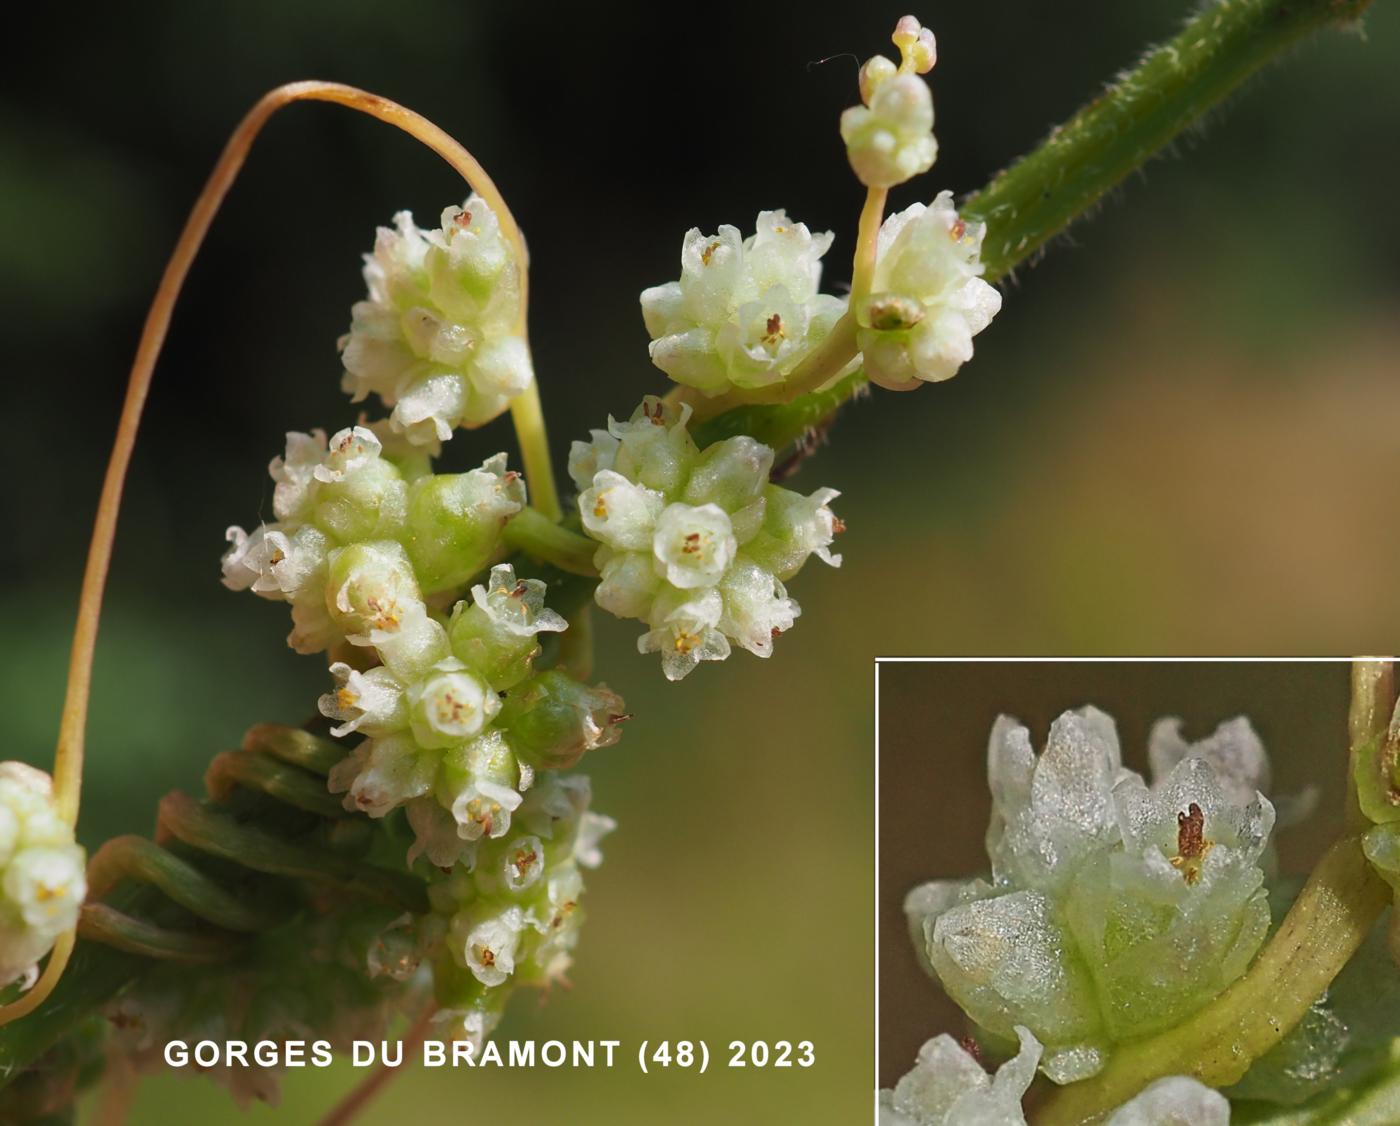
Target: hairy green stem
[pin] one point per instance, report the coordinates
(1330, 919)
(1146, 109)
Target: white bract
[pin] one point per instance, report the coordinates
(890, 138)
(695, 544)
(948, 1087)
(1115, 908)
(927, 298)
(439, 338)
(745, 312)
(42, 872)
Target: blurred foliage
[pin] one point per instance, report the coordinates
(1175, 438)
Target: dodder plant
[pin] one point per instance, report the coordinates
(425, 855)
(1123, 937)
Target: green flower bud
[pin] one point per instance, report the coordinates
(371, 590)
(455, 521)
(553, 719)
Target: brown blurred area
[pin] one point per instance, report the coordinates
(933, 802)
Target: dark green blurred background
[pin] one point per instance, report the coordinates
(935, 719)
(1179, 435)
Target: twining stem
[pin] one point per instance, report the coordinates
(529, 419)
(1330, 919)
(1148, 107)
(867, 246)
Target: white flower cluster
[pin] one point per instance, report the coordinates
(440, 739)
(343, 505)
(948, 1087)
(1115, 908)
(440, 337)
(927, 297)
(745, 311)
(42, 872)
(696, 544)
(513, 917)
(890, 138)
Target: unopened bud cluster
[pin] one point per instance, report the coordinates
(746, 311)
(42, 877)
(440, 337)
(1115, 907)
(889, 139)
(696, 544)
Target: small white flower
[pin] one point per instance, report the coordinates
(350, 449)
(372, 590)
(516, 605)
(685, 634)
(947, 1087)
(382, 774)
(1177, 1100)
(490, 946)
(295, 474)
(928, 300)
(450, 706)
(435, 835)
(592, 828)
(369, 702)
(619, 513)
(523, 863)
(483, 809)
(756, 607)
(693, 546)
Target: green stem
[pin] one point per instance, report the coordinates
(1330, 919)
(1039, 196)
(534, 534)
(528, 415)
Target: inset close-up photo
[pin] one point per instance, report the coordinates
(1143, 893)
(464, 457)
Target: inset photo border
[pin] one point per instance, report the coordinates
(1082, 905)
